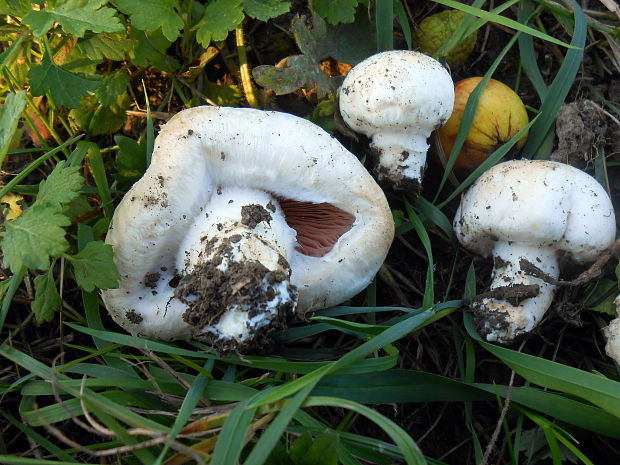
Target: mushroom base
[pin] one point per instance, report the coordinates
(398, 168)
(235, 305)
(506, 316)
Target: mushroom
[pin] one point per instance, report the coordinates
(243, 217)
(398, 98)
(612, 333)
(526, 213)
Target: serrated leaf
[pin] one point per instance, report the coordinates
(264, 10)
(61, 186)
(113, 84)
(150, 49)
(32, 238)
(336, 11)
(94, 267)
(65, 88)
(102, 46)
(220, 17)
(46, 298)
(10, 113)
(148, 15)
(75, 16)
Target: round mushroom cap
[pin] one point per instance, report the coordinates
(398, 90)
(539, 203)
(341, 217)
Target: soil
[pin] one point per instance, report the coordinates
(580, 127)
(209, 292)
(251, 215)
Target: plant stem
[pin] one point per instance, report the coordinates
(244, 68)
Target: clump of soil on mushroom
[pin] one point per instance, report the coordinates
(209, 292)
(395, 179)
(251, 215)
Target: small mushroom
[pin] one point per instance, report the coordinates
(243, 217)
(398, 98)
(525, 213)
(612, 333)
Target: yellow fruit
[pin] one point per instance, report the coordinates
(435, 30)
(499, 116)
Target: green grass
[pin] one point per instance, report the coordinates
(365, 382)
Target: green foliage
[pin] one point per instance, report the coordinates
(265, 9)
(46, 298)
(64, 87)
(60, 187)
(78, 56)
(10, 112)
(93, 267)
(131, 159)
(32, 238)
(336, 11)
(219, 18)
(75, 16)
(348, 43)
(149, 15)
(97, 47)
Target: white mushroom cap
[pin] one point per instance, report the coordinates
(521, 206)
(398, 98)
(336, 233)
(539, 203)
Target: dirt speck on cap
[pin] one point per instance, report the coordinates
(133, 317)
(150, 280)
(253, 214)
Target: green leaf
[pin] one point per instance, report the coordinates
(14, 7)
(148, 15)
(102, 46)
(300, 447)
(131, 159)
(61, 186)
(336, 11)
(10, 112)
(150, 49)
(75, 16)
(220, 17)
(32, 238)
(113, 84)
(94, 267)
(46, 298)
(227, 95)
(65, 88)
(264, 10)
(323, 451)
(100, 119)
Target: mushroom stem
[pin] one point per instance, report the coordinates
(503, 319)
(401, 156)
(236, 277)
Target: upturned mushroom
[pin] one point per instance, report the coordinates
(243, 217)
(526, 214)
(397, 99)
